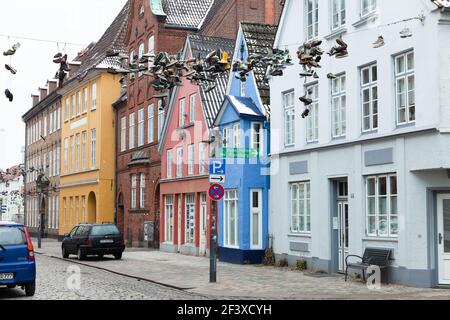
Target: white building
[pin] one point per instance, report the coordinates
(371, 164)
(11, 196)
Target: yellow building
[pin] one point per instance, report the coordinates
(88, 132)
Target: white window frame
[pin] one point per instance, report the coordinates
(237, 135)
(390, 196)
(74, 106)
(339, 106)
(67, 109)
(190, 229)
(123, 134)
(79, 108)
(77, 152)
(132, 131)
(151, 124)
(371, 86)
(169, 218)
(182, 113)
(252, 211)
(191, 159)
(179, 162)
(203, 163)
(311, 27)
(231, 219)
(338, 14)
(133, 192)
(300, 207)
(140, 54)
(142, 186)
(72, 154)
(289, 118)
(151, 49)
(367, 7)
(141, 127)
(94, 96)
(84, 150)
(254, 144)
(161, 120)
(312, 122)
(66, 155)
(405, 75)
(169, 164)
(192, 106)
(226, 137)
(93, 148)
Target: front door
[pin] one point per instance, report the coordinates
(343, 233)
(203, 224)
(180, 210)
(443, 211)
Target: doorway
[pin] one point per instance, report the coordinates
(340, 224)
(203, 223)
(92, 208)
(443, 223)
(179, 212)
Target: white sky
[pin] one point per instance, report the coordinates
(82, 22)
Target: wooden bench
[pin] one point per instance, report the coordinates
(372, 257)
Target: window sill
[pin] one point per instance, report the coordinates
(336, 33)
(370, 17)
(300, 235)
(405, 125)
(380, 239)
(231, 247)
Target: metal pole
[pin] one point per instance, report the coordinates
(213, 258)
(40, 221)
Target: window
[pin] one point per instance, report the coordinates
(226, 138)
(179, 162)
(71, 211)
(237, 135)
(161, 119)
(86, 99)
(131, 61)
(190, 219)
(79, 103)
(289, 118)
(72, 154)
(140, 54)
(203, 163)
(58, 119)
(368, 6)
(142, 191)
(66, 110)
(312, 122)
(65, 211)
(132, 131)
(182, 114)
(57, 160)
(94, 96)
(381, 206)
(169, 214)
(312, 19)
(123, 134)
(369, 95)
(151, 123)
(242, 87)
(338, 107)
(83, 209)
(230, 208)
(77, 209)
(191, 159)
(151, 49)
(50, 125)
(257, 137)
(338, 15)
(74, 106)
(66, 155)
(192, 101)
(83, 150)
(133, 191)
(169, 163)
(45, 127)
(93, 148)
(301, 207)
(77, 152)
(141, 127)
(405, 88)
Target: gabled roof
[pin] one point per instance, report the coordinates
(200, 47)
(189, 14)
(112, 39)
(260, 39)
(245, 107)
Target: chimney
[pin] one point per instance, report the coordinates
(35, 98)
(43, 93)
(74, 66)
(270, 12)
(52, 85)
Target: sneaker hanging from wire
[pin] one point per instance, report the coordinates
(405, 33)
(379, 43)
(12, 51)
(307, 101)
(9, 95)
(305, 113)
(10, 69)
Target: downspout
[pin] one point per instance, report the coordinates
(115, 164)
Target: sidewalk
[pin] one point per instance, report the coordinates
(241, 281)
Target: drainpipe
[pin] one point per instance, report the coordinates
(115, 164)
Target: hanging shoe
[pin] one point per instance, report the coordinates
(112, 53)
(379, 43)
(276, 73)
(405, 33)
(342, 54)
(58, 58)
(331, 76)
(9, 95)
(305, 113)
(10, 69)
(309, 73)
(307, 101)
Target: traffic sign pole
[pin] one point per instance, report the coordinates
(212, 250)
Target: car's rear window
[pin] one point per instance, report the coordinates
(104, 230)
(12, 236)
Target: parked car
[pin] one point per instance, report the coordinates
(17, 260)
(93, 240)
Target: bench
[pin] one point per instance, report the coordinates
(372, 257)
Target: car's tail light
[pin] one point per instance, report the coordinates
(89, 242)
(30, 245)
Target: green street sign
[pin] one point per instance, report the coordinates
(238, 153)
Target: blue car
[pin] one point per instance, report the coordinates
(17, 260)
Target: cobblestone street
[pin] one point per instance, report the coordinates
(95, 285)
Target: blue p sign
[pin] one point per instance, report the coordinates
(216, 167)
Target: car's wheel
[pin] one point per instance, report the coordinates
(30, 289)
(11, 286)
(101, 256)
(65, 254)
(81, 256)
(118, 256)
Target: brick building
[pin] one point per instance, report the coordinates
(162, 25)
(42, 152)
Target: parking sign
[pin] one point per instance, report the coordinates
(217, 166)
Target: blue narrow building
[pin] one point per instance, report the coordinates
(245, 128)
